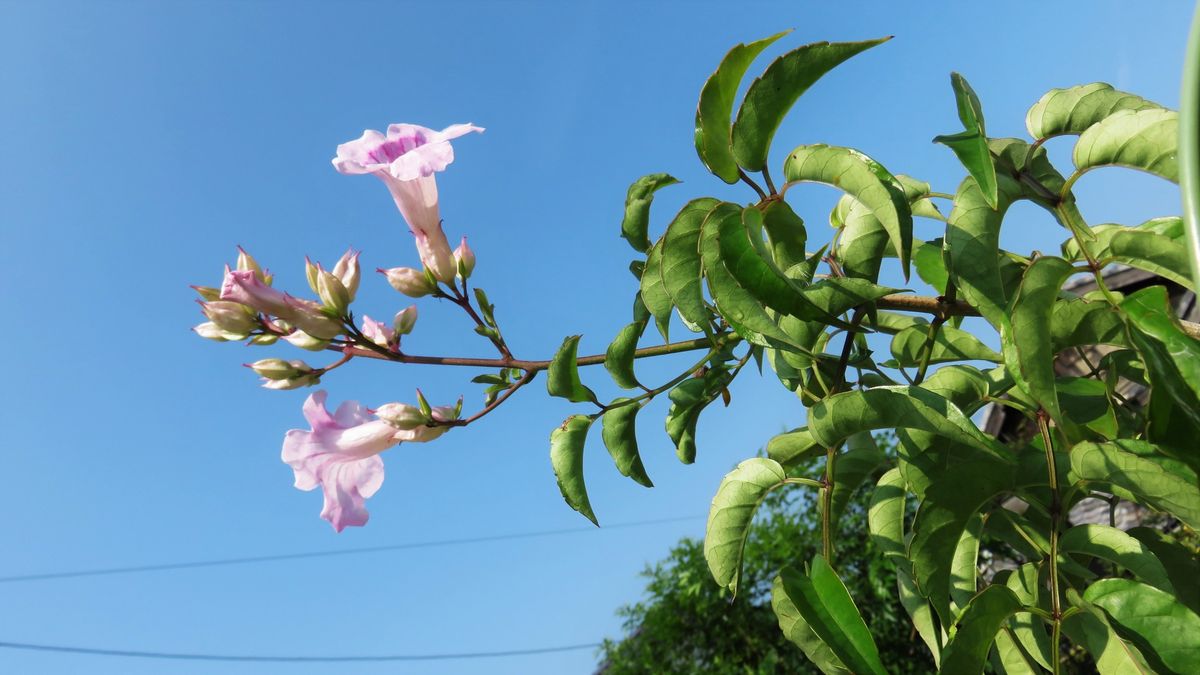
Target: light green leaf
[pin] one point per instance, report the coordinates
(618, 360)
(654, 293)
(963, 570)
(851, 468)
(861, 248)
(688, 400)
(951, 344)
(786, 233)
(1092, 630)
(927, 257)
(797, 630)
(745, 256)
(920, 612)
(1073, 110)
(1085, 322)
(1013, 660)
(1115, 546)
(918, 192)
(619, 433)
(1180, 563)
(1151, 617)
(971, 144)
(972, 247)
(566, 456)
(847, 413)
(1139, 247)
(713, 142)
(1087, 410)
(863, 178)
(772, 94)
(738, 497)
(1149, 312)
(793, 446)
(562, 377)
(826, 605)
(1119, 465)
(680, 265)
(1026, 337)
(885, 515)
(967, 650)
(636, 223)
(1028, 630)
(1147, 140)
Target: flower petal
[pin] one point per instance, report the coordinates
(355, 157)
(346, 487)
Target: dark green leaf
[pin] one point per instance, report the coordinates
(967, 650)
(1137, 247)
(920, 612)
(636, 223)
(771, 96)
(826, 605)
(970, 145)
(1147, 140)
(1180, 563)
(745, 256)
(786, 233)
(851, 468)
(1092, 630)
(1026, 337)
(848, 413)
(681, 267)
(1073, 110)
(972, 247)
(654, 293)
(566, 456)
(951, 344)
(618, 360)
(738, 497)
(620, 437)
(885, 516)
(562, 377)
(963, 569)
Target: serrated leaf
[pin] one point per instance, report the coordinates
(826, 605)
(566, 456)
(562, 377)
(636, 223)
(681, 268)
(738, 498)
(619, 432)
(1074, 109)
(771, 95)
(1025, 334)
(967, 650)
(1118, 464)
(1115, 546)
(951, 344)
(797, 630)
(654, 293)
(863, 178)
(618, 359)
(971, 144)
(1151, 617)
(1147, 140)
(715, 109)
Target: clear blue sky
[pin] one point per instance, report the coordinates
(145, 139)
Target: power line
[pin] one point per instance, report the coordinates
(63, 649)
(329, 553)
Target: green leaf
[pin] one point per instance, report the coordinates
(1149, 312)
(863, 243)
(681, 267)
(927, 258)
(951, 344)
(636, 223)
(1140, 247)
(1087, 410)
(1013, 660)
(618, 360)
(713, 142)
(562, 377)
(885, 515)
(1151, 618)
(826, 605)
(1115, 546)
(1180, 563)
(963, 570)
(654, 293)
(1085, 322)
(1119, 465)
(863, 178)
(1091, 629)
(786, 233)
(1137, 139)
(738, 498)
(745, 256)
(772, 94)
(797, 630)
(972, 247)
(620, 437)
(967, 650)
(920, 612)
(566, 456)
(688, 400)
(851, 468)
(793, 446)
(838, 295)
(918, 193)
(971, 144)
(1027, 629)
(1073, 110)
(842, 415)
(1026, 337)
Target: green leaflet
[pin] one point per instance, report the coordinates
(680, 266)
(885, 515)
(619, 433)
(1180, 563)
(793, 446)
(688, 400)
(1137, 139)
(654, 293)
(863, 178)
(1073, 110)
(744, 254)
(786, 233)
(1026, 337)
(851, 468)
(1119, 465)
(951, 344)
(822, 599)
(772, 94)
(1087, 411)
(972, 247)
(1149, 312)
(971, 144)
(636, 223)
(1085, 322)
(931, 267)
(917, 192)
(1028, 630)
(1152, 618)
(967, 650)
(562, 377)
(797, 630)
(920, 612)
(1115, 546)
(1091, 629)
(963, 571)
(1013, 660)
(839, 416)
(713, 113)
(618, 360)
(863, 243)
(738, 497)
(566, 456)
(1142, 247)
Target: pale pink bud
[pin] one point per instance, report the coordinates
(245, 287)
(405, 320)
(308, 317)
(402, 416)
(232, 317)
(332, 292)
(464, 259)
(299, 338)
(246, 262)
(378, 333)
(346, 270)
(409, 281)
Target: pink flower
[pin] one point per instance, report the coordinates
(378, 333)
(246, 287)
(406, 161)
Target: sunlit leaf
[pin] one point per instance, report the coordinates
(738, 497)
(885, 515)
(566, 456)
(619, 433)
(1073, 110)
(562, 377)
(826, 605)
(1025, 334)
(1179, 561)
(1151, 617)
(786, 233)
(793, 446)
(797, 630)
(951, 344)
(860, 459)
(654, 293)
(1115, 546)
(636, 223)
(1092, 630)
(618, 360)
(848, 413)
(1147, 140)
(970, 145)
(680, 265)
(1119, 465)
(1143, 248)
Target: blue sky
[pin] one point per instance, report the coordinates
(145, 140)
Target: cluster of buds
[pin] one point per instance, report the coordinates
(386, 336)
(281, 374)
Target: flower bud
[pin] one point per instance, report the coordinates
(230, 316)
(264, 339)
(464, 259)
(299, 338)
(447, 413)
(405, 320)
(210, 331)
(308, 317)
(402, 416)
(379, 333)
(246, 262)
(278, 369)
(307, 380)
(207, 293)
(346, 270)
(310, 273)
(332, 292)
(409, 281)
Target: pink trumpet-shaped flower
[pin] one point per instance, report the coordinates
(406, 160)
(246, 287)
